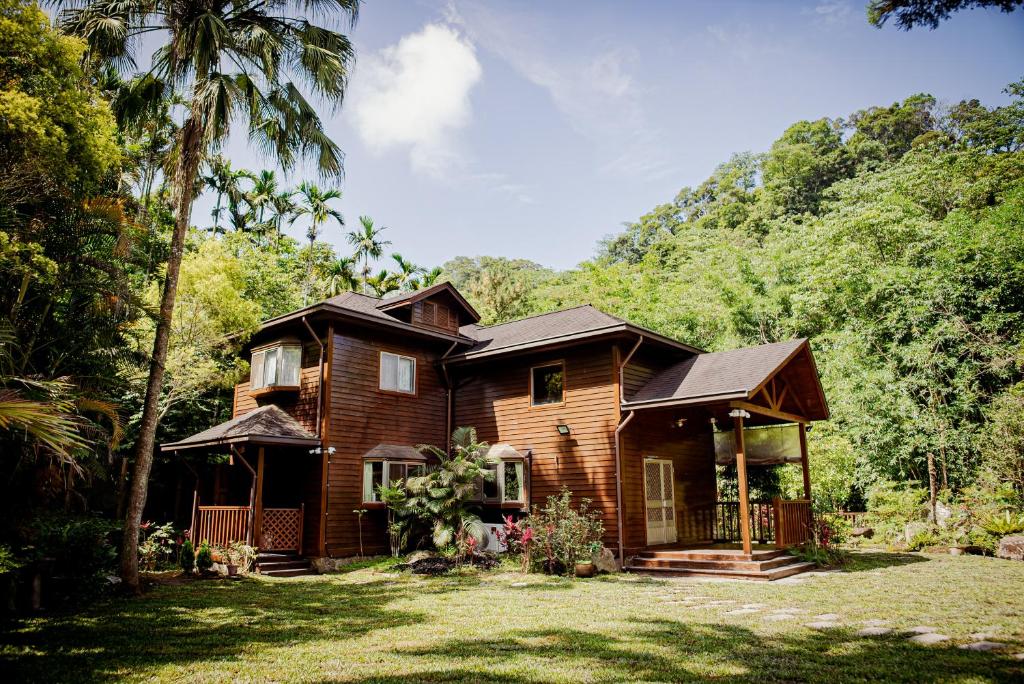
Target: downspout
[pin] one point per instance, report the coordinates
(449, 398)
(319, 377)
(618, 451)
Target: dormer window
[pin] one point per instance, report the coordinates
(276, 366)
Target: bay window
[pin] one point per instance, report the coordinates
(276, 366)
(383, 473)
(507, 485)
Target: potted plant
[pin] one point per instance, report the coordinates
(240, 557)
(586, 567)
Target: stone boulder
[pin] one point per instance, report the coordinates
(942, 514)
(866, 532)
(604, 561)
(419, 555)
(1011, 548)
(913, 529)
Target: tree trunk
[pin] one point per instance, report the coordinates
(932, 487)
(184, 181)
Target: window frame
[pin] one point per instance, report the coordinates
(561, 402)
(385, 475)
(279, 350)
(499, 476)
(380, 374)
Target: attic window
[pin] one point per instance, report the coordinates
(276, 366)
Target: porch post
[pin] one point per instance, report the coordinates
(803, 460)
(259, 499)
(741, 475)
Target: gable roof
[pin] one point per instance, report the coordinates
(567, 325)
(720, 376)
(409, 298)
(266, 425)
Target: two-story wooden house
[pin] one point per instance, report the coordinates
(343, 391)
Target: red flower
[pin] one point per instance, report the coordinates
(528, 535)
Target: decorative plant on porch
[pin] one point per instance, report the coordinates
(442, 497)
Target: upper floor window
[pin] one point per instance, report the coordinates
(276, 366)
(547, 384)
(397, 373)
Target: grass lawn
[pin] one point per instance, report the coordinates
(370, 625)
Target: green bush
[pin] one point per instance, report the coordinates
(187, 559)
(891, 505)
(562, 535)
(983, 540)
(923, 540)
(1005, 524)
(204, 557)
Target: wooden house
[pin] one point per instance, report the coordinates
(341, 393)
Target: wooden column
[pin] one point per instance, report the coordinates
(259, 498)
(803, 460)
(741, 475)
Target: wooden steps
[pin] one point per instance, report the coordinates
(722, 563)
(283, 565)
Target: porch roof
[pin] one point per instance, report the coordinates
(738, 374)
(266, 425)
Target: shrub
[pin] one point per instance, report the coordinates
(840, 528)
(159, 546)
(241, 555)
(563, 533)
(988, 543)
(1002, 525)
(891, 505)
(924, 539)
(204, 557)
(187, 558)
(823, 547)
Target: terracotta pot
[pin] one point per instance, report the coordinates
(232, 570)
(585, 569)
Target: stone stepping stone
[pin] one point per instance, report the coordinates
(1018, 656)
(743, 611)
(726, 602)
(827, 617)
(920, 629)
(873, 631)
(789, 611)
(823, 624)
(928, 638)
(779, 617)
(985, 636)
(983, 646)
(875, 623)
(753, 606)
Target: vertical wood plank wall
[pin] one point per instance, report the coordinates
(496, 402)
(362, 416)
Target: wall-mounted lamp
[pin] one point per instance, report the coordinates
(318, 450)
(563, 430)
(679, 423)
(738, 413)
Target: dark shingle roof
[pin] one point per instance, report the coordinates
(717, 373)
(267, 424)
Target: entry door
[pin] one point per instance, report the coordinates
(661, 509)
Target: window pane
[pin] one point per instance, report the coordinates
(291, 363)
(406, 374)
(373, 477)
(547, 385)
(417, 471)
(388, 371)
(396, 472)
(513, 477)
(256, 374)
(270, 367)
(491, 487)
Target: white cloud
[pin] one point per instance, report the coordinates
(831, 12)
(415, 95)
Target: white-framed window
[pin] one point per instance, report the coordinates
(508, 485)
(380, 472)
(397, 373)
(276, 366)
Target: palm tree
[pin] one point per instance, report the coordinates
(407, 272)
(228, 60)
(427, 278)
(315, 205)
(382, 283)
(283, 204)
(224, 181)
(367, 245)
(341, 275)
(261, 196)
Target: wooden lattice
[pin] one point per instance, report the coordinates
(282, 529)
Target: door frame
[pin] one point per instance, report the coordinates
(669, 532)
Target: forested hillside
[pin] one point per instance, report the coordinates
(893, 238)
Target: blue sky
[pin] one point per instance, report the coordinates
(533, 129)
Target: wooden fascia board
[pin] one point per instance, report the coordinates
(246, 439)
(804, 347)
(430, 292)
(687, 401)
(342, 312)
(768, 412)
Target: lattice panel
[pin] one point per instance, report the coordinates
(282, 529)
(653, 481)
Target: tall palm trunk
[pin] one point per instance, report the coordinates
(184, 181)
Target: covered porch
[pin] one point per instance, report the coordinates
(745, 410)
(257, 483)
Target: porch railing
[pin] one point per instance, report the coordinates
(221, 525)
(783, 523)
(794, 521)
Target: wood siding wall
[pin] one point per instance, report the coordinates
(362, 416)
(436, 314)
(691, 450)
(495, 400)
(644, 365)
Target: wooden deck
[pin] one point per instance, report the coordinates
(724, 561)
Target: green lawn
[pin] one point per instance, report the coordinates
(371, 625)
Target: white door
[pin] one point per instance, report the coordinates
(660, 495)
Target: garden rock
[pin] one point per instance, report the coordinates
(823, 624)
(1011, 548)
(913, 529)
(605, 561)
(866, 532)
(419, 555)
(942, 514)
(983, 646)
(873, 631)
(928, 638)
(921, 629)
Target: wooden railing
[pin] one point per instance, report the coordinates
(855, 517)
(793, 522)
(282, 529)
(221, 525)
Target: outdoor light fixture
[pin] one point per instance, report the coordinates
(679, 423)
(563, 430)
(738, 413)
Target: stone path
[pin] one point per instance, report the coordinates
(984, 640)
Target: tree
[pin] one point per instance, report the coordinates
(315, 204)
(426, 279)
(225, 182)
(225, 60)
(341, 276)
(384, 282)
(407, 273)
(911, 13)
(283, 204)
(367, 244)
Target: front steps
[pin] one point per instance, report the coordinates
(283, 565)
(720, 563)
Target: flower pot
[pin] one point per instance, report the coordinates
(232, 570)
(585, 569)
